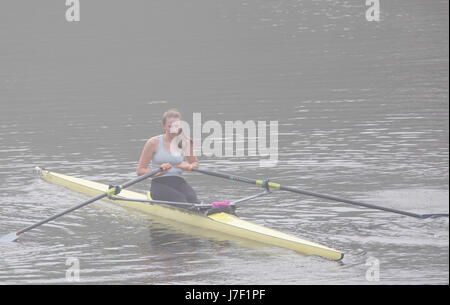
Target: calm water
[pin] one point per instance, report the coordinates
(362, 110)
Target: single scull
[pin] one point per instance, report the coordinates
(221, 222)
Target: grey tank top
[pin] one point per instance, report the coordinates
(162, 156)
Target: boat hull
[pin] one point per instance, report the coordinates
(221, 222)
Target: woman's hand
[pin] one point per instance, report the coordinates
(186, 166)
(165, 167)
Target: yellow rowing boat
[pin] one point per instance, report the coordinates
(220, 222)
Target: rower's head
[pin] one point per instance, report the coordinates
(171, 122)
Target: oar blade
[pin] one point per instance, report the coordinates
(424, 216)
(8, 238)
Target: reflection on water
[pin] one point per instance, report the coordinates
(362, 110)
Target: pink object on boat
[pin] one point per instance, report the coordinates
(218, 204)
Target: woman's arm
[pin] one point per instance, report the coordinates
(191, 160)
(146, 157)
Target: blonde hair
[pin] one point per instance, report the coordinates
(171, 113)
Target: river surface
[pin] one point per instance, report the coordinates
(362, 111)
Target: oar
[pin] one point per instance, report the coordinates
(268, 184)
(112, 191)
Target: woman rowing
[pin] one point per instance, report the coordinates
(169, 185)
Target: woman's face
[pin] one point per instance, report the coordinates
(172, 126)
